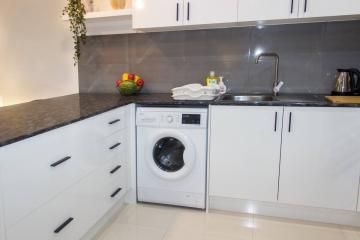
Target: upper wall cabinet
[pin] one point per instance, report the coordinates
(210, 11)
(262, 10)
(157, 13)
(172, 13)
(326, 8)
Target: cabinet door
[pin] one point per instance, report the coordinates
(320, 160)
(324, 8)
(210, 11)
(245, 152)
(262, 10)
(157, 13)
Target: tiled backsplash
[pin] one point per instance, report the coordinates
(309, 56)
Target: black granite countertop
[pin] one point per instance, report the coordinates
(25, 120)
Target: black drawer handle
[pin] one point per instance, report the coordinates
(115, 169)
(114, 146)
(62, 226)
(290, 121)
(114, 121)
(115, 193)
(276, 120)
(55, 164)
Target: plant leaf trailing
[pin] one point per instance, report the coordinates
(75, 9)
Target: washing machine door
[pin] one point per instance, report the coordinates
(172, 155)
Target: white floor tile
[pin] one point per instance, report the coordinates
(148, 215)
(118, 231)
(153, 222)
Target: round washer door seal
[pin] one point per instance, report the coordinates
(171, 155)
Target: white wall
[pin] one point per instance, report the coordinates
(35, 51)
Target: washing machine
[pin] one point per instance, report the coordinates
(171, 156)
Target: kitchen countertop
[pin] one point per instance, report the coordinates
(25, 120)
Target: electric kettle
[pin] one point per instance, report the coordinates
(347, 82)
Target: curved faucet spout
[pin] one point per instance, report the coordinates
(277, 63)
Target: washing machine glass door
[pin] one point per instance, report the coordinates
(168, 154)
(173, 155)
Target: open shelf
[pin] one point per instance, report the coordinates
(108, 22)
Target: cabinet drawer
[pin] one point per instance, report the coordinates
(85, 203)
(35, 170)
(110, 122)
(113, 146)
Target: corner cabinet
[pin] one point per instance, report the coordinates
(59, 184)
(320, 157)
(245, 152)
(149, 14)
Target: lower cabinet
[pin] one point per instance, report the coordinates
(2, 229)
(316, 150)
(75, 211)
(245, 152)
(320, 157)
(59, 184)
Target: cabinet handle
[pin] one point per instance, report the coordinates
(114, 121)
(62, 226)
(188, 11)
(305, 6)
(177, 11)
(276, 120)
(290, 121)
(115, 169)
(114, 146)
(115, 193)
(292, 7)
(55, 164)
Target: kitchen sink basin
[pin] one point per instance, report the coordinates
(248, 98)
(291, 98)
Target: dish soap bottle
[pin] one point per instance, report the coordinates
(222, 85)
(212, 80)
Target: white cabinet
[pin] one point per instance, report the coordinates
(326, 8)
(245, 152)
(320, 159)
(68, 177)
(157, 13)
(2, 229)
(171, 13)
(197, 12)
(262, 10)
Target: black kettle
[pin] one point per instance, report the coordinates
(347, 82)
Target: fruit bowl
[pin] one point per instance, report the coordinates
(130, 84)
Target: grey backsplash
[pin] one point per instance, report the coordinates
(309, 56)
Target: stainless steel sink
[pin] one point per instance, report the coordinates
(248, 98)
(269, 98)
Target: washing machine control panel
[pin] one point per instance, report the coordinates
(172, 118)
(191, 119)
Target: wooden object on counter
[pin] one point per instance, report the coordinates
(344, 99)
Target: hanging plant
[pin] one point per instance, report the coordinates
(75, 9)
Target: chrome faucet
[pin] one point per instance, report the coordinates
(277, 85)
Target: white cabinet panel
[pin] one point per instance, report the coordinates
(326, 8)
(35, 170)
(261, 10)
(245, 152)
(320, 162)
(157, 13)
(210, 11)
(2, 229)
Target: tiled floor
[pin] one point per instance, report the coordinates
(152, 222)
